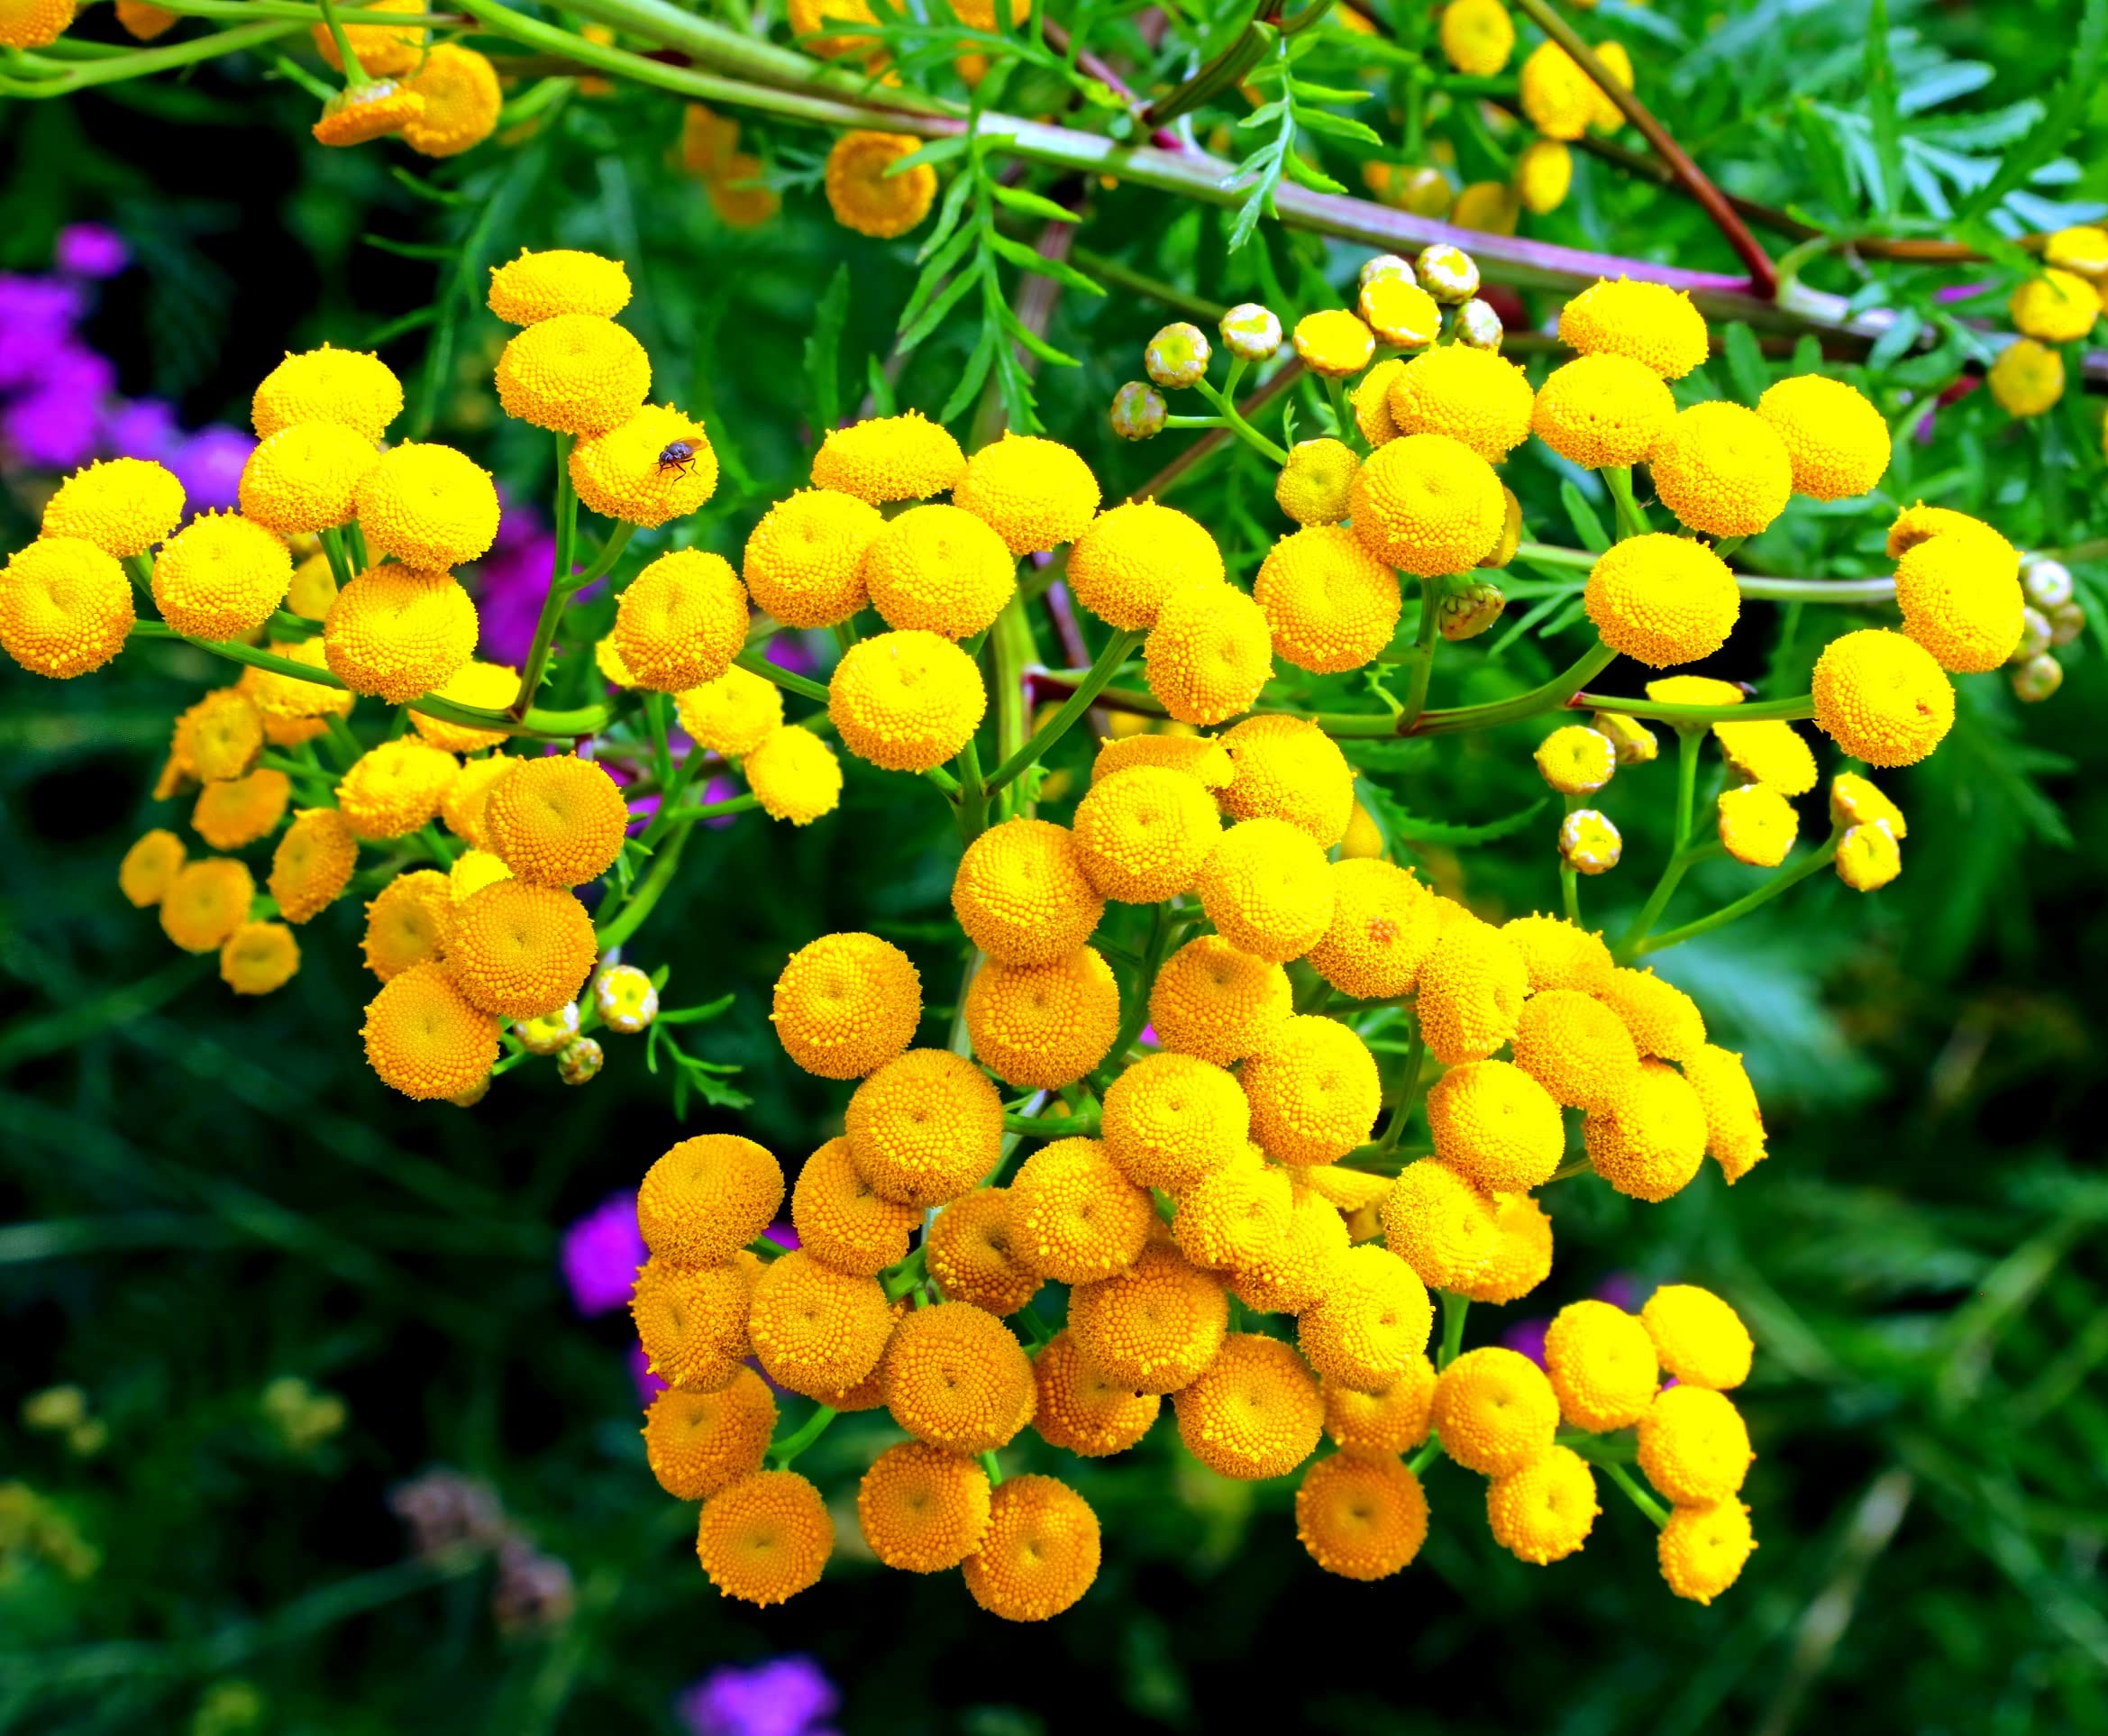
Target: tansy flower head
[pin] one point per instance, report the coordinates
(1576, 760)
(123, 506)
(1209, 653)
(1521, 1258)
(1881, 697)
(1634, 740)
(1152, 1328)
(407, 923)
(574, 373)
(1040, 1553)
(1543, 174)
(766, 1538)
(1447, 272)
(707, 1198)
(1867, 857)
(259, 958)
(1134, 556)
(681, 621)
(955, 1377)
(1701, 1550)
(428, 506)
(401, 632)
(1138, 411)
(218, 578)
(846, 1004)
(1074, 1217)
(1267, 887)
(461, 101)
(1216, 1003)
(906, 701)
(1235, 1214)
(1439, 1222)
(733, 715)
(1470, 993)
(1854, 800)
(1369, 399)
(1331, 605)
(699, 1443)
(1250, 331)
(1427, 504)
(1296, 1271)
(1769, 751)
(327, 385)
(804, 562)
(1177, 356)
(1558, 954)
(1558, 98)
(1734, 1125)
(1493, 1121)
(288, 699)
(1495, 1411)
(1650, 1145)
(541, 286)
(887, 458)
(2027, 379)
(1544, 1511)
(623, 995)
(940, 569)
(34, 24)
(473, 869)
(423, 1039)
(1693, 1445)
(968, 1253)
(383, 50)
(1472, 395)
(396, 787)
(1141, 835)
(1403, 315)
(1375, 1425)
(2060, 307)
(234, 811)
(360, 113)
(519, 950)
(1575, 1047)
(1044, 1026)
(1312, 486)
(1313, 1089)
(657, 465)
(921, 1509)
(1333, 343)
(1383, 927)
(488, 687)
(1169, 1119)
(816, 1331)
(1701, 1340)
(842, 1221)
(305, 478)
(1696, 689)
(1022, 895)
(1372, 1321)
(556, 821)
(1648, 322)
(1602, 1364)
(1364, 1518)
(1836, 440)
(1662, 599)
(1589, 843)
(470, 793)
(1723, 470)
(142, 21)
(205, 901)
(864, 198)
(1758, 825)
(1033, 493)
(1918, 523)
(1663, 1020)
(150, 865)
(1961, 600)
(691, 1323)
(794, 775)
(1082, 1410)
(1254, 1413)
(1605, 409)
(65, 607)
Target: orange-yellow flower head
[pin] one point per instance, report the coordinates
(1136, 555)
(1495, 1411)
(1427, 504)
(407, 923)
(1313, 486)
(1648, 322)
(1074, 1217)
(428, 506)
(1142, 835)
(699, 1443)
(1662, 599)
(1362, 1518)
(326, 384)
(865, 196)
(1267, 887)
(1235, 1215)
(1576, 1048)
(1602, 1364)
(1440, 1223)
(1605, 409)
(1152, 1328)
(1033, 493)
(766, 1538)
(520, 950)
(306, 477)
(940, 569)
(955, 1377)
(1544, 1511)
(1662, 1018)
(905, 702)
(574, 374)
(1373, 1425)
(462, 102)
(1333, 343)
(1082, 1410)
(1734, 1125)
(1385, 924)
(1371, 1323)
(1289, 769)
(557, 821)
(1331, 605)
(707, 1198)
(1208, 654)
(794, 775)
(1493, 1121)
(1169, 1119)
(361, 113)
(925, 1126)
(691, 1321)
(1476, 397)
(1701, 1340)
(1576, 760)
(1558, 954)
(219, 577)
(969, 1256)
(1650, 1146)
(34, 24)
(842, 1221)
(1022, 895)
(681, 621)
(1313, 1089)
(1254, 1413)
(846, 1004)
(1040, 1553)
(151, 865)
(400, 632)
(1961, 600)
(65, 607)
(488, 687)
(396, 787)
(424, 1039)
(1701, 1550)
(905, 457)
(259, 958)
(804, 562)
(234, 811)
(733, 715)
(921, 1509)
(1693, 1445)
(1044, 1026)
(657, 465)
(1881, 697)
(1723, 470)
(1212, 1001)
(1757, 824)
(539, 286)
(123, 506)
(1470, 993)
(2058, 307)
(1836, 440)
(816, 1331)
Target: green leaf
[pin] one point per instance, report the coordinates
(1308, 93)
(823, 352)
(1028, 259)
(883, 402)
(1304, 173)
(975, 372)
(938, 151)
(1587, 528)
(1826, 160)
(1880, 103)
(1401, 827)
(1896, 341)
(1338, 126)
(1745, 363)
(2066, 109)
(1020, 198)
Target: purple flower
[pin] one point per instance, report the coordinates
(87, 250)
(789, 651)
(1529, 1338)
(1620, 1290)
(512, 584)
(783, 1696)
(142, 427)
(209, 464)
(719, 788)
(53, 429)
(649, 1386)
(601, 1254)
(37, 316)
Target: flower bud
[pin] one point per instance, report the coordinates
(1478, 326)
(2037, 679)
(2035, 631)
(624, 997)
(551, 1034)
(1138, 410)
(1469, 609)
(474, 1095)
(2046, 582)
(1423, 191)
(1383, 265)
(581, 1062)
(2067, 622)
(1447, 273)
(1250, 331)
(1868, 856)
(1634, 740)
(1177, 355)
(1588, 841)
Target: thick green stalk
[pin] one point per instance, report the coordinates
(561, 585)
(1455, 1308)
(1010, 649)
(1423, 657)
(617, 925)
(1639, 1496)
(755, 661)
(353, 68)
(1226, 407)
(1779, 882)
(1108, 665)
(1688, 742)
(1787, 710)
(782, 1452)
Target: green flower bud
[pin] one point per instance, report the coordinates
(1177, 356)
(2037, 679)
(1478, 326)
(1251, 332)
(1138, 410)
(1447, 273)
(581, 1062)
(2035, 633)
(2046, 582)
(1469, 609)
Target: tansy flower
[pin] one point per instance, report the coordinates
(1142, 835)
(401, 632)
(969, 1254)
(1493, 1121)
(1734, 1125)
(1177, 356)
(905, 457)
(1723, 470)
(1198, 756)
(1769, 751)
(1138, 411)
(623, 995)
(1605, 409)
(766, 1538)
(1472, 395)
(2027, 379)
(864, 198)
(846, 1004)
(1082, 1410)
(383, 50)
(327, 385)
(1495, 1411)
(151, 864)
(259, 958)
(1648, 322)
(1758, 825)
(921, 1509)
(573, 373)
(733, 715)
(707, 1198)
(219, 577)
(940, 569)
(739, 196)
(1169, 1119)
(235, 812)
(144, 22)
(1521, 1258)
(1044, 1026)
(807, 17)
(488, 687)
(1470, 993)
(1634, 740)
(1867, 857)
(1662, 599)
(1364, 1518)
(816, 1331)
(1836, 440)
(1701, 1550)
(305, 478)
(955, 1377)
(1209, 653)
(461, 101)
(1250, 331)
(1918, 522)
(2058, 307)
(1212, 1001)
(1439, 1222)
(699, 1443)
(34, 24)
(691, 1319)
(123, 506)
(473, 869)
(1371, 1322)
(681, 621)
(556, 821)
(1297, 1272)
(1267, 887)
(1074, 1217)
(1427, 504)
(1040, 1553)
(205, 901)
(1331, 605)
(1601, 1363)
(1701, 1340)
(361, 113)
(1575, 1047)
(1235, 1214)
(1383, 927)
(1369, 399)
(407, 923)
(1693, 1445)
(804, 562)
(1033, 493)
(2082, 248)
(1881, 697)
(1558, 98)
(463, 810)
(1662, 1018)
(1576, 760)
(1650, 1145)
(1333, 343)
(1313, 1089)
(519, 950)
(1558, 954)
(1544, 1511)
(795, 775)
(1854, 800)
(1403, 315)
(1022, 895)
(1543, 174)
(657, 465)
(287, 699)
(1961, 600)
(537, 287)
(66, 608)
(1447, 272)
(428, 506)
(1312, 486)
(906, 701)
(396, 787)
(842, 1221)
(1136, 555)
(1254, 1413)
(1374, 1425)
(423, 1039)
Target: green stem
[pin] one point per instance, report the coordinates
(1108, 665)
(339, 559)
(1227, 408)
(766, 1249)
(994, 1469)
(707, 810)
(1639, 1497)
(559, 584)
(1555, 695)
(354, 71)
(1780, 881)
(142, 63)
(1419, 1462)
(1010, 649)
(782, 1452)
(1454, 1310)
(1792, 710)
(1568, 1170)
(1054, 1127)
(1136, 1014)
(1631, 520)
(619, 924)
(348, 747)
(1423, 657)
(1688, 742)
(906, 1275)
(755, 661)
(972, 796)
(610, 553)
(1416, 1057)
(441, 851)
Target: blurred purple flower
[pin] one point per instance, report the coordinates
(143, 427)
(51, 429)
(783, 1236)
(789, 651)
(37, 315)
(209, 464)
(784, 1696)
(89, 249)
(719, 788)
(601, 1254)
(1529, 1338)
(513, 582)
(649, 1386)
(1620, 1290)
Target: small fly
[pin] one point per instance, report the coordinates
(677, 455)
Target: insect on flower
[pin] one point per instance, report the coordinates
(677, 455)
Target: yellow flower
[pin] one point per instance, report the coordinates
(1492, 1121)
(325, 385)
(1693, 1445)
(407, 923)
(1470, 993)
(1370, 397)
(1734, 1125)
(657, 465)
(1882, 697)
(313, 587)
(1477, 36)
(1134, 556)
(766, 1538)
(921, 1509)
(1474, 396)
(230, 812)
(1961, 600)
(1044, 1026)
(1867, 857)
(1701, 1550)
(1427, 504)
(1836, 440)
(904, 457)
(955, 1377)
(1267, 887)
(681, 621)
(2057, 307)
(1141, 836)
(1313, 1090)
(1371, 1323)
(519, 951)
(840, 1217)
(2027, 379)
(1651, 1145)
(1558, 954)
(795, 775)
(65, 607)
(556, 821)
(1216, 1003)
(1495, 1411)
(1041, 1551)
(1361, 1518)
(699, 1443)
(362, 112)
(1312, 486)
(905, 702)
(1576, 760)
(1663, 1020)
(1648, 322)
(1492, 208)
(1075, 1218)
(464, 807)
(1662, 599)
(1403, 315)
(1033, 493)
(925, 1125)
(142, 21)
(1440, 1223)
(1723, 470)
(1544, 1511)
(401, 632)
(1695, 690)
(1081, 1410)
(940, 569)
(1854, 800)
(1769, 751)
(1385, 924)
(864, 198)
(488, 687)
(1170, 1118)
(804, 562)
(1208, 654)
(733, 715)
(969, 1244)
(1559, 99)
(473, 869)
(123, 506)
(1575, 1047)
(707, 1198)
(1287, 768)
(574, 373)
(219, 577)
(1601, 1363)
(846, 1004)
(1634, 740)
(383, 50)
(1758, 825)
(537, 287)
(1377, 1425)
(313, 863)
(1589, 843)
(2082, 248)
(205, 902)
(34, 24)
(1333, 343)
(739, 196)
(259, 957)
(1254, 1413)
(428, 506)
(809, 17)
(396, 787)
(149, 865)
(1543, 175)
(1701, 1340)
(1608, 116)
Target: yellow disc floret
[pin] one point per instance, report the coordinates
(1044, 1026)
(699, 1443)
(921, 1509)
(1313, 486)
(1693, 1445)
(1289, 769)
(1375, 1425)
(401, 632)
(1022, 894)
(1040, 1553)
(1032, 493)
(1440, 1223)
(1267, 887)
(539, 286)
(1209, 653)
(407, 923)
(462, 97)
(1370, 1324)
(1882, 697)
(346, 386)
(906, 701)
(1662, 599)
(234, 811)
(557, 821)
(1331, 605)
(424, 1039)
(1649, 322)
(1383, 927)
(1544, 1511)
(519, 950)
(1142, 835)
(969, 1256)
(1495, 1411)
(1651, 1143)
(1082, 1410)
(1723, 470)
(1961, 600)
(707, 1198)
(1605, 409)
(794, 775)
(306, 478)
(1314, 1090)
(394, 788)
(691, 1321)
(766, 1538)
(1602, 1364)
(152, 863)
(1470, 993)
(1428, 504)
(123, 506)
(1254, 1413)
(841, 1219)
(1362, 1518)
(681, 621)
(926, 1127)
(1170, 1118)
(428, 506)
(1734, 1125)
(804, 562)
(1476, 397)
(1701, 1340)
(846, 1004)
(656, 465)
(1577, 1048)
(940, 569)
(65, 607)
(574, 374)
(1835, 438)
(865, 197)
(219, 577)
(1493, 1121)
(1074, 1217)
(1701, 1550)
(905, 457)
(732, 714)
(1216, 1003)
(955, 1377)
(1134, 556)
(816, 1331)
